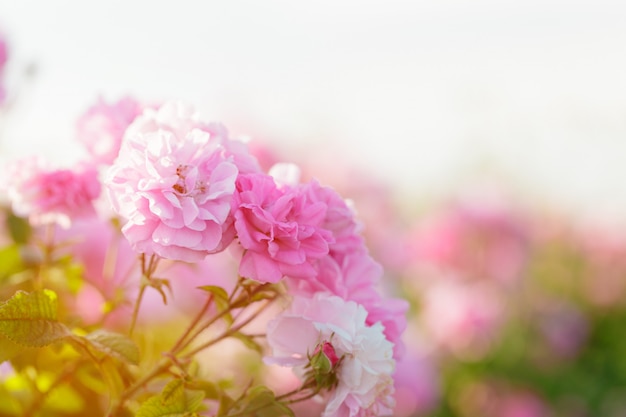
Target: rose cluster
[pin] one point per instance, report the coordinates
(184, 189)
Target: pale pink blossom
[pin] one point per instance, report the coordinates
(50, 195)
(179, 119)
(357, 277)
(174, 188)
(101, 128)
(364, 374)
(279, 230)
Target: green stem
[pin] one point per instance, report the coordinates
(229, 332)
(133, 321)
(139, 384)
(180, 343)
(306, 397)
(146, 276)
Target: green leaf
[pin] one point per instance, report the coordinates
(115, 345)
(30, 319)
(174, 401)
(19, 228)
(173, 392)
(211, 390)
(220, 296)
(259, 402)
(256, 292)
(248, 342)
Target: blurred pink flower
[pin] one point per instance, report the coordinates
(4, 55)
(521, 404)
(417, 385)
(477, 238)
(564, 328)
(46, 195)
(498, 399)
(279, 230)
(365, 385)
(175, 188)
(101, 128)
(464, 318)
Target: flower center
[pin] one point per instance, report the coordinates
(182, 171)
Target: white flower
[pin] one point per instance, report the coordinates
(364, 383)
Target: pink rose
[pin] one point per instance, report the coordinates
(102, 127)
(364, 384)
(180, 119)
(174, 186)
(279, 230)
(340, 220)
(47, 195)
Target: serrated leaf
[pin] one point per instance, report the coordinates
(173, 392)
(174, 401)
(30, 319)
(115, 345)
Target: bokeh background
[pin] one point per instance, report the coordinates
(424, 94)
(483, 142)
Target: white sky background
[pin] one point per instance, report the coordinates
(426, 94)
